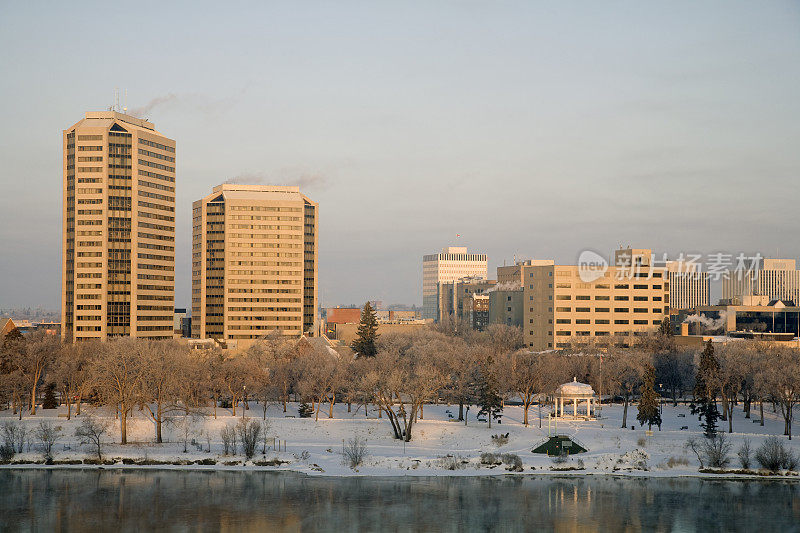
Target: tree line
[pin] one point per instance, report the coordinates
(445, 363)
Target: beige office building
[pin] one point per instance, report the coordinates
(689, 286)
(508, 275)
(777, 279)
(254, 263)
(452, 264)
(118, 265)
(564, 307)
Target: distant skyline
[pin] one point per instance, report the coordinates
(531, 129)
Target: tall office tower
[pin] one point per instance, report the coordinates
(689, 286)
(565, 306)
(118, 266)
(254, 263)
(450, 265)
(777, 279)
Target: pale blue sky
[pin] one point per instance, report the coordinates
(535, 129)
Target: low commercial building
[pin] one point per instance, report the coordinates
(346, 333)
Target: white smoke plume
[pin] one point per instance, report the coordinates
(706, 322)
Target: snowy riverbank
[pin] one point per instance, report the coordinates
(440, 445)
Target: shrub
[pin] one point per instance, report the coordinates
(305, 410)
(14, 436)
(450, 462)
(228, 434)
(488, 458)
(500, 439)
(774, 456)
(560, 458)
(91, 431)
(512, 462)
(354, 452)
(641, 442)
(711, 451)
(249, 432)
(672, 462)
(8, 441)
(744, 454)
(47, 435)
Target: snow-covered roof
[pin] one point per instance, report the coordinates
(575, 388)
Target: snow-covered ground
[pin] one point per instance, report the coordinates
(611, 449)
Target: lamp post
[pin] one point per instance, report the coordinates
(244, 402)
(661, 398)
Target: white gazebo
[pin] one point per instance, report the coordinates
(575, 392)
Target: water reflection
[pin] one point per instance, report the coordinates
(264, 501)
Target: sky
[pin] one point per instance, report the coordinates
(531, 129)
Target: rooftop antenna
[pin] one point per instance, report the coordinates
(125, 103)
(116, 99)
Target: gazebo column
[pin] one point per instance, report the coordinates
(575, 408)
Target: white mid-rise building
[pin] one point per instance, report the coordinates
(451, 264)
(777, 279)
(689, 286)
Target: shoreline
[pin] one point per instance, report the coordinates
(787, 478)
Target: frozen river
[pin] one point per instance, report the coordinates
(128, 500)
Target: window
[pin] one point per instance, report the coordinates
(639, 310)
(563, 309)
(602, 310)
(620, 298)
(602, 297)
(601, 321)
(640, 322)
(583, 321)
(582, 297)
(621, 310)
(563, 333)
(621, 322)
(640, 298)
(601, 333)
(563, 321)
(582, 309)
(563, 297)
(640, 286)
(621, 286)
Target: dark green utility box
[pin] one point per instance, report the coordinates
(558, 445)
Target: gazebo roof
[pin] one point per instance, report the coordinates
(575, 388)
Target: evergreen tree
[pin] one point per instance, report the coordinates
(50, 401)
(489, 399)
(305, 410)
(705, 391)
(648, 403)
(665, 329)
(367, 334)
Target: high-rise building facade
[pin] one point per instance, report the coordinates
(450, 265)
(118, 236)
(689, 286)
(563, 307)
(776, 279)
(254, 263)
